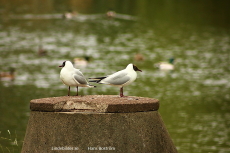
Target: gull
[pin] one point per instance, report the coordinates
(120, 79)
(73, 77)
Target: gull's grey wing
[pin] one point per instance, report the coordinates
(79, 77)
(117, 78)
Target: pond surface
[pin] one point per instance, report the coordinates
(194, 97)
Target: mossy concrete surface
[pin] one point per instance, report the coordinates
(97, 132)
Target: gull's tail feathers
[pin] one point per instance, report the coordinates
(97, 80)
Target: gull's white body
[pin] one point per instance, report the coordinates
(120, 79)
(73, 77)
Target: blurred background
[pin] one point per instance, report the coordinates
(103, 36)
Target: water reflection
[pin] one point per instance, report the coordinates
(194, 96)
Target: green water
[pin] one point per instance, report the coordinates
(194, 98)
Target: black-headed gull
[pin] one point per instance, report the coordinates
(120, 79)
(73, 77)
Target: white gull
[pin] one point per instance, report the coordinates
(120, 79)
(73, 77)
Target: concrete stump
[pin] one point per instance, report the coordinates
(96, 123)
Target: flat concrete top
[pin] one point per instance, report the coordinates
(95, 103)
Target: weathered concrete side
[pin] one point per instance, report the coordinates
(91, 131)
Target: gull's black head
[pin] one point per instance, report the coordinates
(136, 69)
(63, 64)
